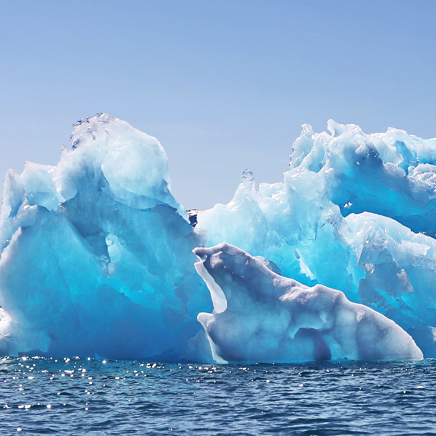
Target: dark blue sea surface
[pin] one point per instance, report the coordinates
(92, 396)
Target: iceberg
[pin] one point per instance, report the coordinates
(260, 316)
(97, 256)
(355, 212)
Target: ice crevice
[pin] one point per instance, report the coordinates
(335, 261)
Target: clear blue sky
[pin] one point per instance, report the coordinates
(222, 84)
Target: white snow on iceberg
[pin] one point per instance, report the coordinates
(270, 318)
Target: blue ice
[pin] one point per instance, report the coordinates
(97, 255)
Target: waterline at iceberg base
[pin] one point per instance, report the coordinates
(97, 256)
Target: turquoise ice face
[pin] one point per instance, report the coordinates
(97, 254)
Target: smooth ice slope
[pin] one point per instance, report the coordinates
(260, 316)
(305, 225)
(96, 253)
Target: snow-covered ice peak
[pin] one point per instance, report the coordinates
(247, 175)
(337, 129)
(88, 125)
(134, 164)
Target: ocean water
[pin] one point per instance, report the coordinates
(92, 396)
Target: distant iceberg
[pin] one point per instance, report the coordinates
(96, 254)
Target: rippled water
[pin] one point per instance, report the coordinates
(77, 396)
